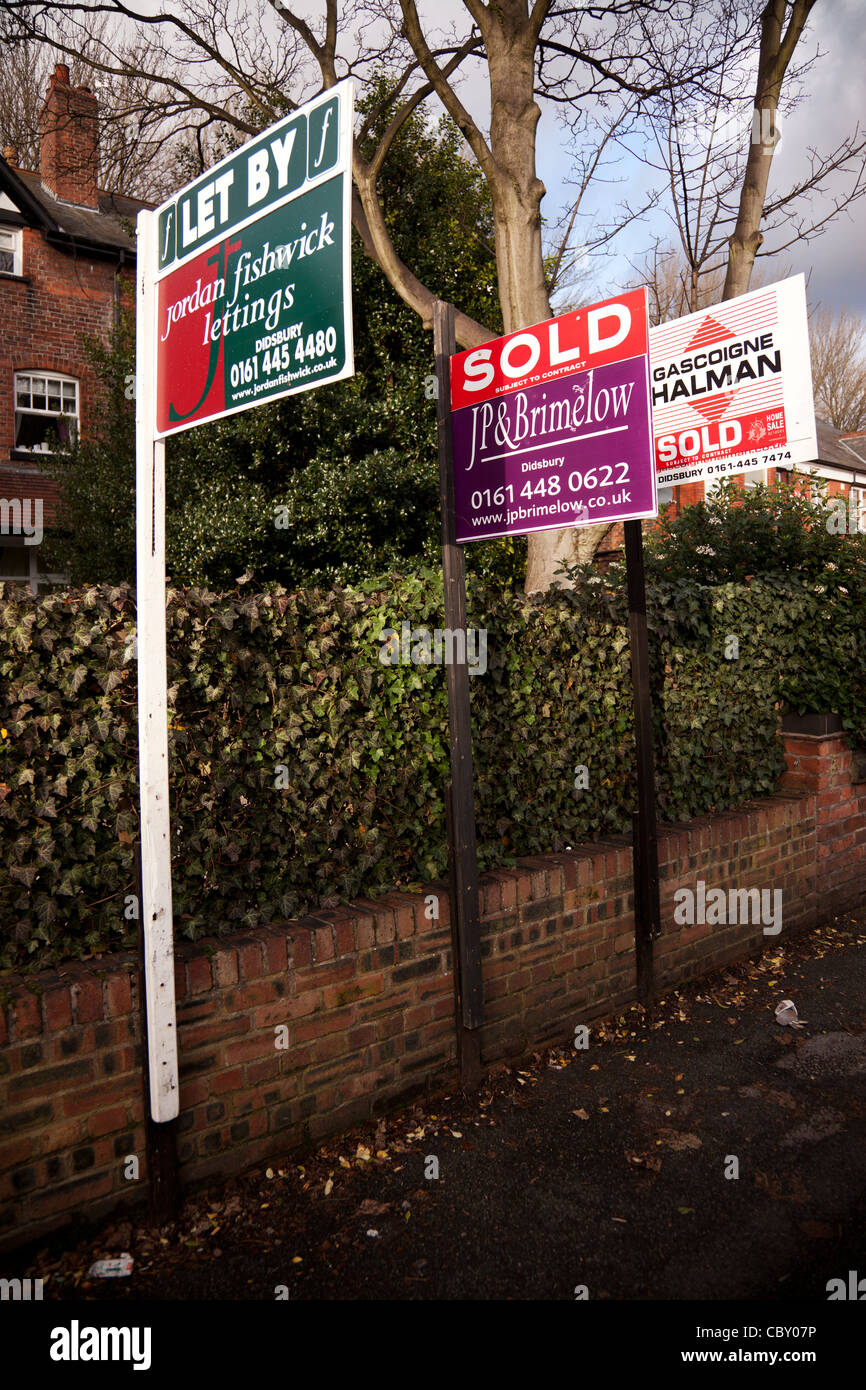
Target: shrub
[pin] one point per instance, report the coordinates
(259, 681)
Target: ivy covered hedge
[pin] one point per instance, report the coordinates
(305, 771)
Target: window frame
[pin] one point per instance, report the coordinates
(17, 250)
(61, 380)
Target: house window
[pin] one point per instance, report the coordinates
(666, 495)
(10, 251)
(19, 564)
(46, 412)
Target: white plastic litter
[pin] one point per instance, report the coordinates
(118, 1268)
(786, 1015)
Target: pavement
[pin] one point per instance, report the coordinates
(699, 1151)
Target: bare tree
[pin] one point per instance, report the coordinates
(775, 52)
(579, 238)
(671, 288)
(23, 80)
(838, 347)
(715, 149)
(138, 140)
(212, 67)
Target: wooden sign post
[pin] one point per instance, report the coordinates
(463, 856)
(645, 851)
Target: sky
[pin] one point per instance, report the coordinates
(833, 105)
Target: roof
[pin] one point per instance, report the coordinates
(106, 229)
(830, 446)
(856, 445)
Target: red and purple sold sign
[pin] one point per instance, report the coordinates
(552, 424)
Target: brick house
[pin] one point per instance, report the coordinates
(65, 247)
(841, 463)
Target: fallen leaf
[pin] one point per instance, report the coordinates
(581, 1114)
(817, 1230)
(370, 1207)
(329, 1187)
(676, 1139)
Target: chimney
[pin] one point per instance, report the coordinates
(10, 154)
(68, 150)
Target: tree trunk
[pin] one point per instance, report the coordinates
(746, 241)
(774, 55)
(517, 192)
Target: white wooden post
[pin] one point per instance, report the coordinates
(155, 907)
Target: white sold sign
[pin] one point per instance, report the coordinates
(732, 387)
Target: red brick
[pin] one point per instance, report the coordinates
(304, 1004)
(323, 943)
(260, 992)
(198, 975)
(269, 1016)
(250, 1049)
(334, 973)
(87, 1004)
(336, 1021)
(17, 1151)
(197, 1035)
(250, 963)
(224, 968)
(118, 994)
(386, 928)
(263, 1072)
(108, 1121)
(25, 1015)
(232, 1079)
(73, 1196)
(276, 952)
(300, 947)
(365, 932)
(363, 1036)
(109, 1092)
(344, 936)
(193, 1090)
(56, 1008)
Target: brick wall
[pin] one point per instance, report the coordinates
(365, 995)
(45, 319)
(826, 766)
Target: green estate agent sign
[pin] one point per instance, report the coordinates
(253, 297)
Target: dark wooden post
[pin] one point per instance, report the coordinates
(463, 857)
(647, 911)
(160, 1140)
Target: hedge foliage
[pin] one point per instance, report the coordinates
(264, 681)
